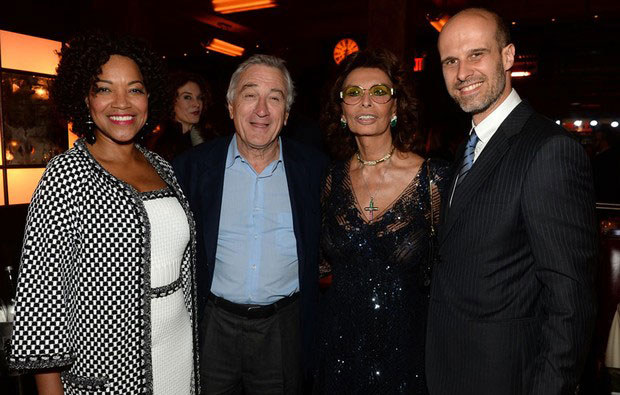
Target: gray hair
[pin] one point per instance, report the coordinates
(262, 60)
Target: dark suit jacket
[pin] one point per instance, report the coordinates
(200, 172)
(512, 303)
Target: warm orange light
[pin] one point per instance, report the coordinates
(14, 87)
(9, 156)
(231, 6)
(1, 189)
(21, 184)
(224, 47)
(71, 137)
(438, 23)
(28, 53)
(520, 74)
(344, 48)
(41, 92)
(419, 64)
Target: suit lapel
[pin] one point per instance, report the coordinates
(295, 175)
(445, 204)
(211, 183)
(484, 166)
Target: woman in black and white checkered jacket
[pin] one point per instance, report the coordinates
(105, 298)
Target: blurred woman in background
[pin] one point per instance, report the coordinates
(186, 124)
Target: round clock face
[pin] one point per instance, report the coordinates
(345, 47)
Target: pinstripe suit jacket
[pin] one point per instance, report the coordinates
(512, 304)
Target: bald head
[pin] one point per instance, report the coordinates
(502, 31)
(476, 59)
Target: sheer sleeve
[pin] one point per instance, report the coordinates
(325, 269)
(440, 179)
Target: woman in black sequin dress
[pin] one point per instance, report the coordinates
(376, 227)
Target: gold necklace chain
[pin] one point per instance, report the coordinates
(371, 208)
(374, 162)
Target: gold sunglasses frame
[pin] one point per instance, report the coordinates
(364, 92)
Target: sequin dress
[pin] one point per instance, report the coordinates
(374, 313)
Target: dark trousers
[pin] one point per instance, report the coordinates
(250, 356)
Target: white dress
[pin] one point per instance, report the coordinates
(171, 330)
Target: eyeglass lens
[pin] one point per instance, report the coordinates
(380, 94)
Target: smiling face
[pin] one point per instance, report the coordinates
(258, 108)
(476, 71)
(368, 118)
(188, 105)
(118, 101)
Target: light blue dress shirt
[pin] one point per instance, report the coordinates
(256, 258)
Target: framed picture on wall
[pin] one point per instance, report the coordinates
(32, 133)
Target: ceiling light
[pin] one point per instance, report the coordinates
(578, 123)
(437, 21)
(614, 124)
(224, 47)
(593, 122)
(557, 121)
(231, 6)
(519, 74)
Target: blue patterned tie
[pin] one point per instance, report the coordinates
(468, 157)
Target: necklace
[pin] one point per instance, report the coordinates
(374, 162)
(371, 208)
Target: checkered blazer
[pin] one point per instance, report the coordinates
(84, 289)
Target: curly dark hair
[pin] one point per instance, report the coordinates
(405, 136)
(81, 60)
(179, 78)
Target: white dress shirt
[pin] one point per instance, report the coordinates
(489, 125)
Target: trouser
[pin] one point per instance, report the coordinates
(241, 355)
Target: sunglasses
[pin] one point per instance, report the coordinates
(380, 94)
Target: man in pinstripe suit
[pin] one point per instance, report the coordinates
(512, 303)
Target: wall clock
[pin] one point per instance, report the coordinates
(345, 47)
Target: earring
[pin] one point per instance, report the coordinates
(141, 136)
(90, 132)
(393, 121)
(343, 122)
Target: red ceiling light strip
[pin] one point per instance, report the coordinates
(419, 64)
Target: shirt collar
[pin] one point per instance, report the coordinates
(234, 154)
(487, 128)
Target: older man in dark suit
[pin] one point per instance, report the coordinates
(256, 201)
(512, 304)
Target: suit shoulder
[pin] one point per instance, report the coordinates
(305, 153)
(539, 131)
(544, 128)
(201, 152)
(547, 144)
